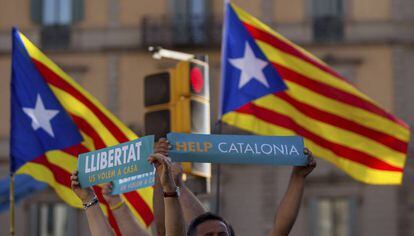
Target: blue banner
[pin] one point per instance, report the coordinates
(237, 149)
(116, 162)
(133, 183)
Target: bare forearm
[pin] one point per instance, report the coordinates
(192, 207)
(98, 224)
(158, 204)
(289, 207)
(127, 222)
(174, 221)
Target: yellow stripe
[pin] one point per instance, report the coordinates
(104, 209)
(74, 106)
(308, 70)
(63, 160)
(35, 53)
(87, 142)
(333, 133)
(358, 115)
(355, 170)
(251, 123)
(251, 20)
(44, 174)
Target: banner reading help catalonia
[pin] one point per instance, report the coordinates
(116, 162)
(237, 149)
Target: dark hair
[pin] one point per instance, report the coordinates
(192, 228)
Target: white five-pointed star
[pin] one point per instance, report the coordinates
(251, 67)
(41, 116)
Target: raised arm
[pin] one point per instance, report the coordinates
(98, 224)
(289, 207)
(127, 222)
(158, 197)
(192, 207)
(174, 220)
(190, 204)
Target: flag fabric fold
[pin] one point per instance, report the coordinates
(273, 87)
(53, 120)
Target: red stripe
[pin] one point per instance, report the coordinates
(141, 206)
(340, 122)
(340, 150)
(61, 175)
(55, 80)
(76, 150)
(285, 47)
(335, 93)
(85, 127)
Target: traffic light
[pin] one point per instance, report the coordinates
(157, 99)
(178, 101)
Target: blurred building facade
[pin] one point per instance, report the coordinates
(103, 45)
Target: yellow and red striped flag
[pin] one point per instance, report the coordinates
(273, 87)
(54, 120)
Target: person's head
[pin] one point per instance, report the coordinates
(209, 224)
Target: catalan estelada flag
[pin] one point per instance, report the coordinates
(53, 120)
(271, 86)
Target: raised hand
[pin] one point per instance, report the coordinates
(162, 146)
(303, 171)
(85, 194)
(164, 171)
(112, 200)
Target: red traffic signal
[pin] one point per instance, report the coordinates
(196, 79)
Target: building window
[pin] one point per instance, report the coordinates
(57, 219)
(57, 12)
(56, 17)
(328, 22)
(333, 216)
(190, 21)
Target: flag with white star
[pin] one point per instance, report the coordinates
(38, 121)
(271, 86)
(53, 120)
(247, 74)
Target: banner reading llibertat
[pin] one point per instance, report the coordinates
(237, 149)
(116, 162)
